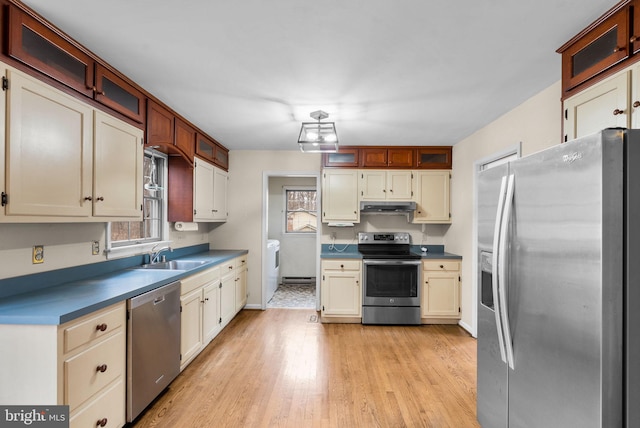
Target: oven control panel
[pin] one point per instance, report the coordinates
(384, 238)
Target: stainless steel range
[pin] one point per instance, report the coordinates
(391, 291)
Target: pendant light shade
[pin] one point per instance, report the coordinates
(318, 137)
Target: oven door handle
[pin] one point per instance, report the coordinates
(392, 262)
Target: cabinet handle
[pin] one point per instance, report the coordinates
(636, 104)
(633, 39)
(101, 93)
(93, 88)
(100, 198)
(102, 422)
(88, 198)
(101, 327)
(618, 49)
(617, 112)
(102, 368)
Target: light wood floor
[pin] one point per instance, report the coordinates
(275, 368)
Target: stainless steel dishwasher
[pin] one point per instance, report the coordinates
(153, 345)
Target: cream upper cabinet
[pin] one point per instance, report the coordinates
(341, 294)
(117, 168)
(440, 291)
(210, 192)
(65, 161)
(602, 106)
(432, 196)
(340, 196)
(378, 185)
(49, 151)
(220, 184)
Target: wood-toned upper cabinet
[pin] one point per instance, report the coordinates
(43, 48)
(115, 92)
(344, 157)
(211, 151)
(381, 157)
(601, 46)
(185, 138)
(160, 125)
(40, 47)
(437, 157)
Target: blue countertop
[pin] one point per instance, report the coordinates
(350, 251)
(67, 301)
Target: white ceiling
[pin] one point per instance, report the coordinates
(389, 72)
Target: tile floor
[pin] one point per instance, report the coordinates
(293, 296)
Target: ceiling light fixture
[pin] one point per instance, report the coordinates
(318, 137)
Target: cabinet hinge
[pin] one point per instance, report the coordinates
(180, 308)
(566, 113)
(5, 83)
(180, 357)
(140, 207)
(322, 308)
(323, 277)
(412, 193)
(565, 138)
(459, 279)
(194, 212)
(220, 320)
(449, 215)
(142, 141)
(459, 309)
(5, 199)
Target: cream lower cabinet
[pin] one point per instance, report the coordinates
(199, 313)
(65, 161)
(241, 282)
(340, 196)
(209, 192)
(432, 196)
(614, 102)
(227, 291)
(440, 292)
(81, 363)
(340, 290)
(380, 185)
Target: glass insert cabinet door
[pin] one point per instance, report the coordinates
(33, 43)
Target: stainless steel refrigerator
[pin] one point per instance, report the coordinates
(559, 286)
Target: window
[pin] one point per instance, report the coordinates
(151, 229)
(301, 214)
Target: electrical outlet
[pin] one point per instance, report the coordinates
(95, 248)
(38, 254)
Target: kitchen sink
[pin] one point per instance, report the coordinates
(174, 265)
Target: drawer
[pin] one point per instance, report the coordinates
(108, 405)
(192, 282)
(227, 267)
(82, 375)
(441, 265)
(341, 264)
(241, 261)
(94, 327)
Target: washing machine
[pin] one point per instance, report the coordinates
(273, 267)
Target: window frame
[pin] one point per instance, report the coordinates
(285, 210)
(135, 247)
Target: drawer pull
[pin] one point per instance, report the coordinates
(102, 422)
(102, 368)
(101, 327)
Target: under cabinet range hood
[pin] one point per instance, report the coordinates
(388, 207)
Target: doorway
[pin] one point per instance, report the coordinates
(291, 236)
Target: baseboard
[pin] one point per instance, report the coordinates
(298, 280)
(253, 306)
(466, 327)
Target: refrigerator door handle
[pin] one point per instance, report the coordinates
(502, 269)
(495, 277)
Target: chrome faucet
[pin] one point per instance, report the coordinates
(154, 256)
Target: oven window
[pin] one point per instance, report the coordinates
(392, 280)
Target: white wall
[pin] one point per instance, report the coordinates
(537, 124)
(294, 248)
(243, 230)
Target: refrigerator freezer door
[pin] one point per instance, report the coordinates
(492, 371)
(564, 336)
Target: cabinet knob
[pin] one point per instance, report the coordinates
(618, 49)
(100, 198)
(391, 190)
(633, 39)
(341, 266)
(636, 104)
(230, 267)
(617, 112)
(102, 422)
(102, 368)
(101, 327)
(355, 212)
(88, 198)
(441, 266)
(93, 88)
(100, 93)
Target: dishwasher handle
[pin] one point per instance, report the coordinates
(154, 296)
